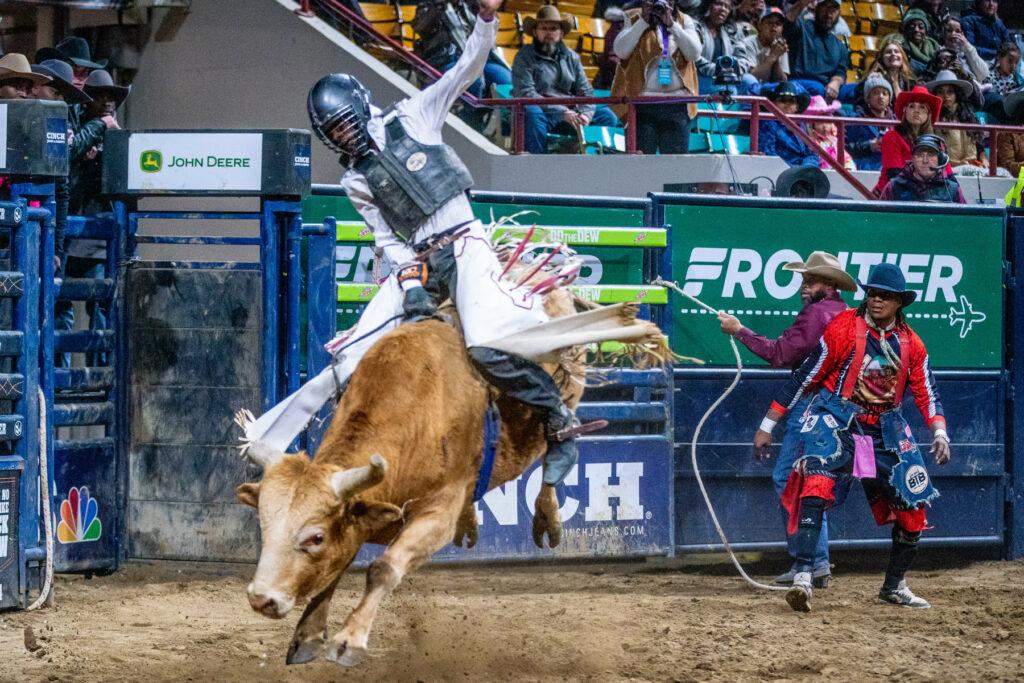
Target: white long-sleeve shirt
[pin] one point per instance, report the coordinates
(682, 37)
(422, 116)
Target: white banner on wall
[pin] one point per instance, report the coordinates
(195, 161)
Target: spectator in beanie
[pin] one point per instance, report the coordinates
(917, 111)
(922, 179)
(658, 52)
(766, 54)
(865, 142)
(818, 59)
(985, 30)
(953, 38)
(547, 68)
(776, 139)
(914, 39)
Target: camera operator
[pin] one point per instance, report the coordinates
(719, 36)
(658, 48)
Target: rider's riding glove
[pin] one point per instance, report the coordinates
(418, 303)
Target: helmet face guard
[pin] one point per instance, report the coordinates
(339, 111)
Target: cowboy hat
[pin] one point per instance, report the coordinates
(61, 75)
(792, 90)
(100, 82)
(76, 50)
(549, 13)
(918, 94)
(819, 107)
(802, 182)
(889, 278)
(14, 65)
(965, 89)
(824, 264)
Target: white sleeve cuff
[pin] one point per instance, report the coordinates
(410, 284)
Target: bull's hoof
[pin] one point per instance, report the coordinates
(346, 655)
(542, 524)
(305, 652)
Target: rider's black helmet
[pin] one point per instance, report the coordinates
(340, 101)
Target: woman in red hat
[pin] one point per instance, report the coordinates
(917, 110)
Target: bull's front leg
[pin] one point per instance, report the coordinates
(546, 519)
(425, 532)
(310, 637)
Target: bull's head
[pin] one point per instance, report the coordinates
(311, 525)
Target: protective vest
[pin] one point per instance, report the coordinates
(410, 180)
(905, 189)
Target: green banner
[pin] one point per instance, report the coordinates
(732, 258)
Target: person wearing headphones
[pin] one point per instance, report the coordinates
(923, 178)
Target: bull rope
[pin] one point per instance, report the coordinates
(696, 434)
(47, 524)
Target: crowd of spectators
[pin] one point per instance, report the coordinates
(795, 52)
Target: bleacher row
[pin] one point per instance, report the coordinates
(868, 21)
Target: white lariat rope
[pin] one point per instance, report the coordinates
(696, 434)
(45, 491)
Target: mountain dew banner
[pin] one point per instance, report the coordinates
(731, 257)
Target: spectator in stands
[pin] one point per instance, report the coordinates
(914, 39)
(947, 60)
(658, 48)
(443, 26)
(719, 37)
(776, 139)
(748, 15)
(921, 179)
(917, 111)
(892, 64)
(61, 88)
(547, 68)
(962, 146)
(984, 29)
(86, 258)
(935, 13)
(827, 134)
(1011, 145)
(953, 38)
(1004, 76)
(17, 78)
(818, 59)
(766, 54)
(608, 62)
(841, 29)
(865, 142)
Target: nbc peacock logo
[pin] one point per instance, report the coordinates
(79, 520)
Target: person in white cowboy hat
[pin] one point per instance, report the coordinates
(547, 68)
(17, 78)
(823, 279)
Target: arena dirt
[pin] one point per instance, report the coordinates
(642, 621)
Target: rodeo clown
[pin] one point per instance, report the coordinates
(411, 190)
(853, 427)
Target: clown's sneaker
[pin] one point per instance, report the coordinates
(799, 596)
(903, 597)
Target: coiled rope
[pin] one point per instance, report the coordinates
(44, 481)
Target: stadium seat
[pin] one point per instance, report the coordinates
(711, 124)
(728, 144)
(699, 143)
(604, 139)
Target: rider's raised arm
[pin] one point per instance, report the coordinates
(430, 106)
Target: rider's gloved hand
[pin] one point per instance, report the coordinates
(418, 303)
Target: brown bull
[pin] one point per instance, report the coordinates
(398, 466)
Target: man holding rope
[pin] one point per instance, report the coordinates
(853, 427)
(823, 277)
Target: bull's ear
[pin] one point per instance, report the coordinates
(372, 516)
(248, 493)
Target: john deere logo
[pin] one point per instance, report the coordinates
(151, 161)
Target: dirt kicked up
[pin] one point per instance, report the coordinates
(640, 621)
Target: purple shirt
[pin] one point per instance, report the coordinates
(799, 339)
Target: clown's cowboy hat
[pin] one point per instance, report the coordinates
(889, 278)
(790, 89)
(549, 13)
(16, 66)
(824, 264)
(76, 50)
(100, 82)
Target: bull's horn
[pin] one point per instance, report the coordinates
(348, 483)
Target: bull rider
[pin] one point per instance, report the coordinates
(853, 427)
(823, 278)
(411, 190)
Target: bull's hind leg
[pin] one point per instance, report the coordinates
(311, 631)
(427, 530)
(546, 519)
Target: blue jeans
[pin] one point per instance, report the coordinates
(64, 311)
(788, 454)
(540, 122)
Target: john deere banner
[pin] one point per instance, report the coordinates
(732, 257)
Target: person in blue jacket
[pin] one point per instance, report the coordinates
(984, 29)
(775, 138)
(864, 142)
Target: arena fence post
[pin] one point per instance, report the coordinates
(1014, 360)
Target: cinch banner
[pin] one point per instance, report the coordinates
(195, 161)
(731, 258)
